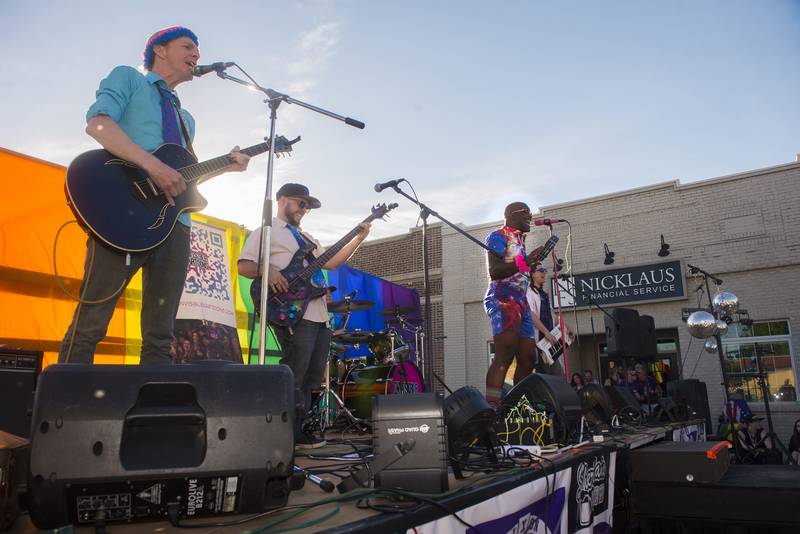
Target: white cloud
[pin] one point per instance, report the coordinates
(317, 46)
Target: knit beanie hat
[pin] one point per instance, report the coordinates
(163, 37)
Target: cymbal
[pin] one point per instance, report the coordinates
(344, 306)
(356, 336)
(397, 310)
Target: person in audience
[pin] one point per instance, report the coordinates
(787, 392)
(753, 444)
(636, 387)
(588, 377)
(577, 381)
(794, 443)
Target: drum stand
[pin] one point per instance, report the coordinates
(326, 391)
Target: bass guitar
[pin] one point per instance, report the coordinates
(287, 308)
(122, 206)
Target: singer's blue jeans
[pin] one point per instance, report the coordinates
(163, 276)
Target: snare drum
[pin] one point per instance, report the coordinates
(388, 347)
(363, 384)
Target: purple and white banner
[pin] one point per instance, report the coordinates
(591, 496)
(538, 507)
(694, 432)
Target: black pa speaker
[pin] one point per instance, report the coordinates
(555, 394)
(419, 417)
(19, 370)
(693, 394)
(127, 443)
(622, 333)
(596, 405)
(625, 405)
(648, 346)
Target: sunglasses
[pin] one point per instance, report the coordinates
(541, 270)
(302, 204)
(525, 211)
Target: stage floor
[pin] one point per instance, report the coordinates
(347, 517)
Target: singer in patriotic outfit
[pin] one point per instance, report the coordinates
(506, 303)
(134, 114)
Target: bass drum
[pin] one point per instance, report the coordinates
(363, 384)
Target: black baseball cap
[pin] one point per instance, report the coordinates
(298, 191)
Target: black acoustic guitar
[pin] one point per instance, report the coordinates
(122, 206)
(286, 309)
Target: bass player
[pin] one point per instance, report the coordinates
(134, 114)
(305, 346)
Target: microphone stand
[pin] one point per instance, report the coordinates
(274, 99)
(425, 211)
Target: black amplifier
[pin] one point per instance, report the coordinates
(19, 370)
(418, 417)
(674, 461)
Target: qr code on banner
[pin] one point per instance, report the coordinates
(207, 274)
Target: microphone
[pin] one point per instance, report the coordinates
(547, 222)
(352, 294)
(391, 183)
(200, 70)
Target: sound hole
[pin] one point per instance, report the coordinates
(284, 417)
(44, 427)
(222, 434)
(97, 448)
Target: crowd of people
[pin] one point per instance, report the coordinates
(203, 340)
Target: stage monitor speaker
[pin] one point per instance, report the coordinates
(19, 370)
(557, 396)
(125, 442)
(692, 393)
(625, 405)
(648, 346)
(418, 417)
(595, 404)
(704, 462)
(622, 333)
(667, 410)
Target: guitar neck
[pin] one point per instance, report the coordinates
(317, 264)
(200, 172)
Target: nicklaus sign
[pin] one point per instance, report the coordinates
(626, 285)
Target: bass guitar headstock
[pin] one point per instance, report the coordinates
(380, 211)
(283, 146)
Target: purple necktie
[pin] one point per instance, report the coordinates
(169, 123)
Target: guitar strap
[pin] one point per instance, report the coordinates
(184, 129)
(301, 241)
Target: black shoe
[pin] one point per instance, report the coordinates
(307, 441)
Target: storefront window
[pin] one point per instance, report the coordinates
(768, 340)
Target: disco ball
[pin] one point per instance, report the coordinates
(722, 327)
(701, 324)
(710, 345)
(726, 302)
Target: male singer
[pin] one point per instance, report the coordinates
(505, 302)
(133, 115)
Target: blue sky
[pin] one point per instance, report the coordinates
(476, 103)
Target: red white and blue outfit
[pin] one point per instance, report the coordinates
(506, 303)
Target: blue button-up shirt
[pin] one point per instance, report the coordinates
(131, 99)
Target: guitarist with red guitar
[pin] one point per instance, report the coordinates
(297, 311)
(138, 120)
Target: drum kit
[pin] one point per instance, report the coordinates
(351, 382)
